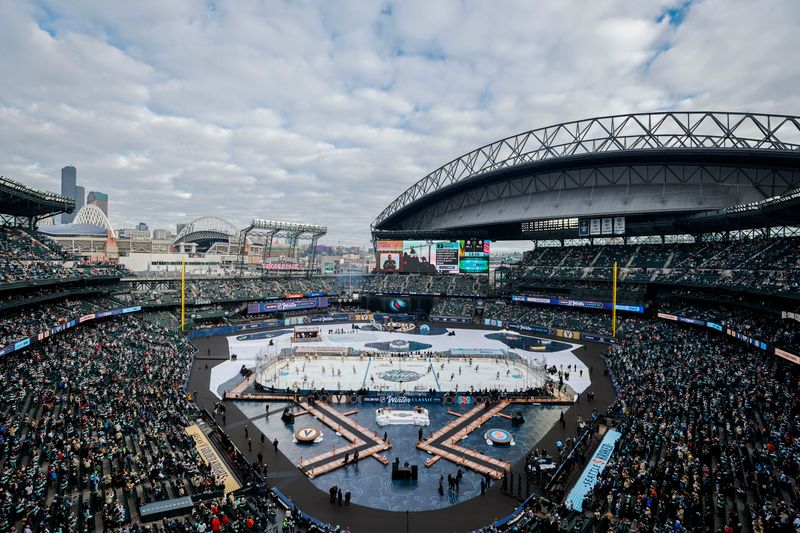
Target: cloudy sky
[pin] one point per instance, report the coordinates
(323, 112)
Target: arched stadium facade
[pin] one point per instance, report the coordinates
(661, 171)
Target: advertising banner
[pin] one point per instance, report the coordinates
(527, 327)
(568, 334)
(584, 304)
(286, 305)
(593, 469)
(694, 321)
(450, 319)
(322, 319)
(598, 338)
(788, 356)
(405, 399)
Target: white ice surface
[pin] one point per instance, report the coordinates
(484, 377)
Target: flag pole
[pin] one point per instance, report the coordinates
(183, 293)
(614, 303)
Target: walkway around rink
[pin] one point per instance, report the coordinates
(442, 443)
(367, 442)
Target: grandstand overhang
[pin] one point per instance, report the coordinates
(22, 205)
(658, 177)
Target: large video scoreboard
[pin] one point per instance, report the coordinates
(434, 257)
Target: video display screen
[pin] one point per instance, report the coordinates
(433, 257)
(473, 256)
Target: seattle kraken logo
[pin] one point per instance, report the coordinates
(400, 375)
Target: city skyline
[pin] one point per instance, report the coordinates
(322, 115)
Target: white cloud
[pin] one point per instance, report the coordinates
(324, 112)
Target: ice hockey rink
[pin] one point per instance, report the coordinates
(385, 373)
(387, 370)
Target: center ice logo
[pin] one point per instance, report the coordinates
(400, 375)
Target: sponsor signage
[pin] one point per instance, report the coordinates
(322, 319)
(404, 399)
(286, 305)
(450, 319)
(788, 314)
(598, 338)
(746, 338)
(526, 327)
(212, 459)
(577, 303)
(593, 469)
(788, 356)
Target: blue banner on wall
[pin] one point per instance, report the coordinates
(450, 319)
(593, 469)
(287, 305)
(583, 304)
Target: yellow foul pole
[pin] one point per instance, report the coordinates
(183, 293)
(614, 303)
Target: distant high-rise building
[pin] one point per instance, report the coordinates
(179, 227)
(162, 235)
(141, 226)
(69, 179)
(80, 197)
(134, 234)
(100, 199)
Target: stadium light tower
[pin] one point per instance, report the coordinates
(293, 231)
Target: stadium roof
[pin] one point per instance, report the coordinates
(74, 230)
(92, 215)
(19, 200)
(652, 168)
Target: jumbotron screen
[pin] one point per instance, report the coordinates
(433, 257)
